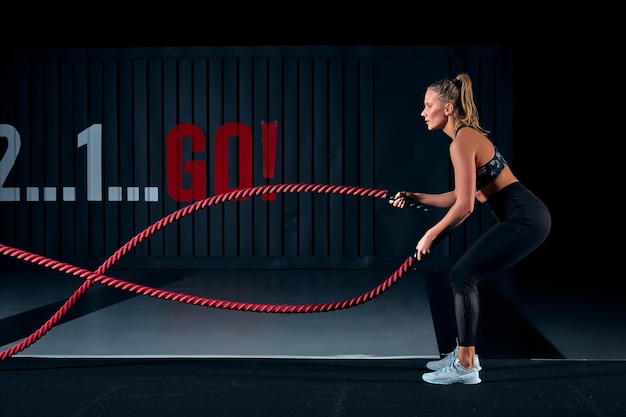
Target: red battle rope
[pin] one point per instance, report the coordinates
(98, 276)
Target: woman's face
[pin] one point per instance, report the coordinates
(434, 112)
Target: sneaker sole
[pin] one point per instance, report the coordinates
(460, 380)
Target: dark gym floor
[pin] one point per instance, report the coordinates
(544, 350)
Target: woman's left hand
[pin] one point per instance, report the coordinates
(423, 247)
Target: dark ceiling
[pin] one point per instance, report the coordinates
(238, 22)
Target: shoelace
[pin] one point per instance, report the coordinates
(452, 367)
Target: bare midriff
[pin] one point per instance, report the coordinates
(505, 178)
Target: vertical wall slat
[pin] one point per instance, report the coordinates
(351, 149)
(398, 159)
(184, 100)
(157, 134)
(8, 107)
(83, 233)
(275, 105)
(260, 228)
(216, 119)
(305, 155)
(125, 159)
(231, 115)
(95, 115)
(52, 157)
(200, 92)
(336, 143)
(20, 169)
(110, 159)
(288, 157)
(170, 119)
(245, 243)
(366, 154)
(320, 155)
(35, 148)
(141, 150)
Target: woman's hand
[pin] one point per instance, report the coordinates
(400, 200)
(423, 246)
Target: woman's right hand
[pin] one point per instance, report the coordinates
(399, 199)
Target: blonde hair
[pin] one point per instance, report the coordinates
(458, 91)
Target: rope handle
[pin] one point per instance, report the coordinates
(411, 203)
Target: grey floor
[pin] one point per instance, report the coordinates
(118, 323)
(397, 324)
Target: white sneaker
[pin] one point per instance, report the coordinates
(453, 374)
(448, 360)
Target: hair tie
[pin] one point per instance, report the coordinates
(456, 82)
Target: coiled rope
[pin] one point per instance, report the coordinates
(100, 277)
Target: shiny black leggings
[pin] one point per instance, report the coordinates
(523, 223)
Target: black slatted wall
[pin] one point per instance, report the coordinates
(99, 144)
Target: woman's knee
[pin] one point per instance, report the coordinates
(462, 282)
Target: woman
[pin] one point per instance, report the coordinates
(480, 173)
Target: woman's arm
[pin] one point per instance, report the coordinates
(441, 200)
(462, 154)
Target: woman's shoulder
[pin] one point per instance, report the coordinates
(467, 129)
(471, 143)
(469, 134)
(473, 136)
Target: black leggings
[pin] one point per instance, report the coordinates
(523, 223)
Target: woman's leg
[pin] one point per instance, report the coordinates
(499, 248)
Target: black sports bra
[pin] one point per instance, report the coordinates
(487, 173)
